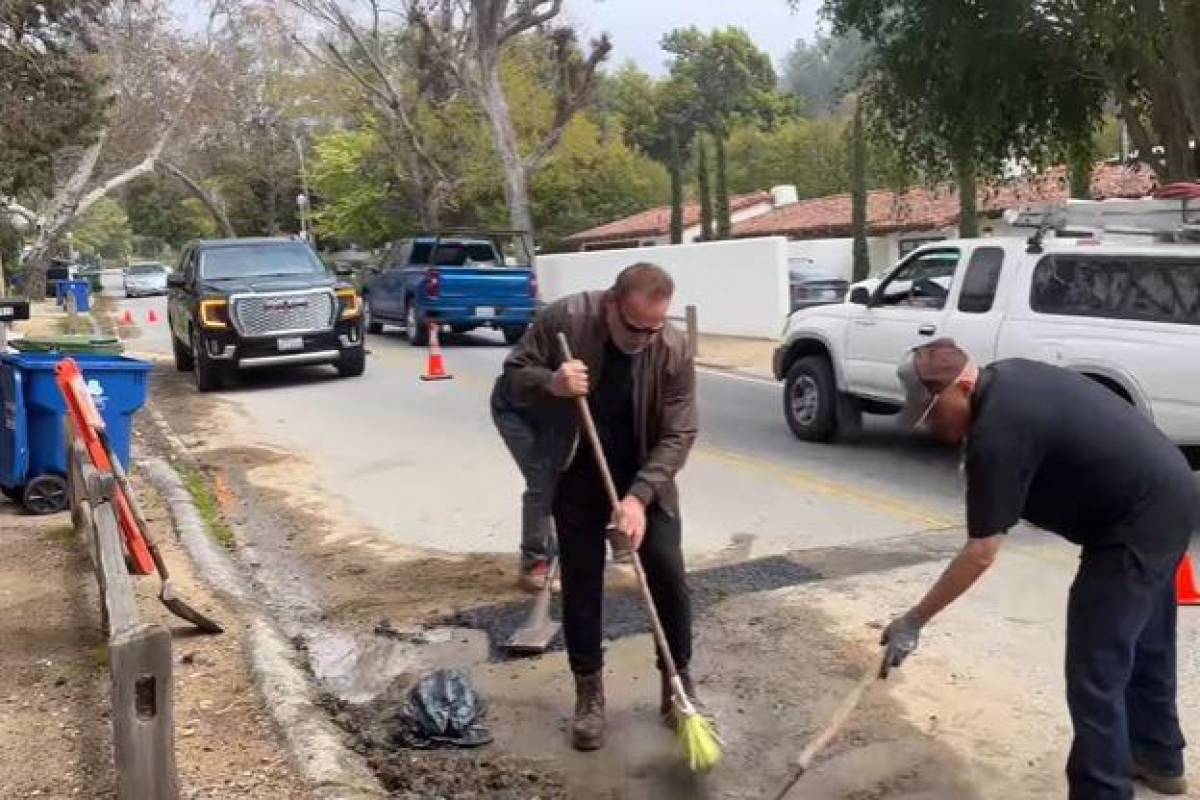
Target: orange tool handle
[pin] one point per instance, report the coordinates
(87, 421)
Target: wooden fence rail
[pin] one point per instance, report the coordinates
(139, 653)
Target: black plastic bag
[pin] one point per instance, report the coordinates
(442, 710)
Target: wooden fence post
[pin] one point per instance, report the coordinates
(693, 331)
(143, 713)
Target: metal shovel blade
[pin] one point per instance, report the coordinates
(539, 630)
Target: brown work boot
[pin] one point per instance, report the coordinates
(587, 729)
(666, 706)
(1163, 784)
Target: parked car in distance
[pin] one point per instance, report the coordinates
(145, 279)
(240, 304)
(812, 285)
(461, 281)
(1125, 314)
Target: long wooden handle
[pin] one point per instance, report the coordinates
(589, 427)
(835, 724)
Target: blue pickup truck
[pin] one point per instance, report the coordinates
(460, 282)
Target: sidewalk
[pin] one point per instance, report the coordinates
(752, 356)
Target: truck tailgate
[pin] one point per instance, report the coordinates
(487, 286)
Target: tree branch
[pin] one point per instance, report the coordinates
(202, 194)
(576, 83)
(527, 17)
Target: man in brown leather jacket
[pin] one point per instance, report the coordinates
(638, 376)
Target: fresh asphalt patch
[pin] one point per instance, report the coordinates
(624, 614)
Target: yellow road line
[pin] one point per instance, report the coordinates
(808, 481)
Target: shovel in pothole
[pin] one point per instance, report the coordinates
(442, 710)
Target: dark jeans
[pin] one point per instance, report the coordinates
(1121, 671)
(537, 521)
(581, 514)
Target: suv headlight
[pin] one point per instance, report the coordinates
(349, 304)
(214, 313)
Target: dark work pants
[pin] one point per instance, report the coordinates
(537, 522)
(581, 514)
(1121, 671)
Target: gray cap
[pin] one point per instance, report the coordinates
(925, 372)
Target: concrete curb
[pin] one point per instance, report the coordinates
(313, 742)
(747, 372)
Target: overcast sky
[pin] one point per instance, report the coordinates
(637, 26)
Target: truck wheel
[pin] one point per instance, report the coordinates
(183, 356)
(369, 317)
(352, 363)
(416, 328)
(210, 377)
(513, 334)
(810, 399)
(46, 494)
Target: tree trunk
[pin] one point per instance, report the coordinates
(676, 167)
(723, 214)
(858, 188)
(1081, 159)
(968, 222)
(516, 177)
(706, 207)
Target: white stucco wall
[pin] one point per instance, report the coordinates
(739, 287)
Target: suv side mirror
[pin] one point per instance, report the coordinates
(175, 280)
(860, 296)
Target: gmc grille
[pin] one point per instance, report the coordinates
(284, 313)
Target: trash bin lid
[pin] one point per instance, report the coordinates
(73, 344)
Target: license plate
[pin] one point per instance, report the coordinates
(290, 343)
(485, 312)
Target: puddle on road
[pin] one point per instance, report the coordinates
(357, 668)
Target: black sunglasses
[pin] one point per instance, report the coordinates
(638, 329)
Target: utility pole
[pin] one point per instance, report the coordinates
(304, 198)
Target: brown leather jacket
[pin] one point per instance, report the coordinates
(664, 392)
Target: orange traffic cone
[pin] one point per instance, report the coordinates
(1186, 591)
(128, 318)
(152, 316)
(436, 369)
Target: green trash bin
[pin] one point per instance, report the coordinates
(70, 344)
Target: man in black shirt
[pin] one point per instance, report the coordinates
(638, 376)
(1055, 448)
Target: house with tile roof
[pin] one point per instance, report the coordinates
(653, 227)
(821, 230)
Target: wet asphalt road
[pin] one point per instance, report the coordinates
(422, 462)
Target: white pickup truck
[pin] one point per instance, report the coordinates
(1125, 315)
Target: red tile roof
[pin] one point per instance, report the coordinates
(657, 221)
(920, 208)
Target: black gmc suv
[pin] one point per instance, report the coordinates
(247, 303)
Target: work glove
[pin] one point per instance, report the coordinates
(900, 638)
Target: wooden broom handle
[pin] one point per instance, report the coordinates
(589, 426)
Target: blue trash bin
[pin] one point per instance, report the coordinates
(82, 292)
(33, 440)
(60, 292)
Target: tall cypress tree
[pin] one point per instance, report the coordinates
(706, 206)
(858, 197)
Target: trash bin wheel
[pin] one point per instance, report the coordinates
(14, 493)
(46, 494)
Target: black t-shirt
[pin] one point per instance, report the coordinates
(612, 408)
(1057, 449)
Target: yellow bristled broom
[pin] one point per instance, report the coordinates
(701, 745)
